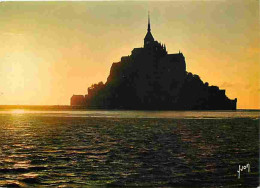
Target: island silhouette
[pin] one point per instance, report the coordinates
(152, 79)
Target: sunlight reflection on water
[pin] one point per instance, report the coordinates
(17, 111)
(138, 114)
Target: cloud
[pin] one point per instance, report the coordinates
(253, 50)
(247, 86)
(12, 34)
(235, 85)
(227, 85)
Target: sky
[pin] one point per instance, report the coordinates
(52, 50)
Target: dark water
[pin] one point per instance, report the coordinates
(128, 148)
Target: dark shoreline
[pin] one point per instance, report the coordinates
(68, 107)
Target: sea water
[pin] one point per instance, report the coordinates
(128, 148)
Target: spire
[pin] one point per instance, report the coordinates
(148, 37)
(149, 27)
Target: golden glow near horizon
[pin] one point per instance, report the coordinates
(18, 111)
(52, 50)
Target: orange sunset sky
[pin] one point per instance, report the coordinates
(52, 50)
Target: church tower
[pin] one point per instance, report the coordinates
(148, 39)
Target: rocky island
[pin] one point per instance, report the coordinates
(152, 79)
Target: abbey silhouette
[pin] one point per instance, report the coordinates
(152, 79)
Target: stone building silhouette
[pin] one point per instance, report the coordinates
(152, 79)
(77, 100)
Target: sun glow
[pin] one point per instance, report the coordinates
(18, 111)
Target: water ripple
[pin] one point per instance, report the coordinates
(78, 152)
